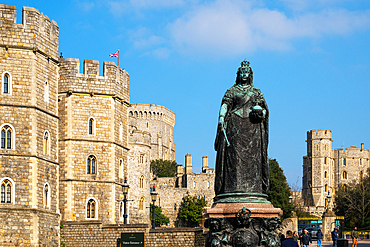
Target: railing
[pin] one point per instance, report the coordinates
(364, 235)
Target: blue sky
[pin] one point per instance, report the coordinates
(311, 59)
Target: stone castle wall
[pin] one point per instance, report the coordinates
(325, 169)
(28, 56)
(98, 234)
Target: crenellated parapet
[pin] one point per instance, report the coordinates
(114, 81)
(152, 112)
(319, 134)
(36, 32)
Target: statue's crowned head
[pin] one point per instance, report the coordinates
(244, 74)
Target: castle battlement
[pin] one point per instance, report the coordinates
(114, 81)
(139, 137)
(319, 134)
(153, 112)
(36, 32)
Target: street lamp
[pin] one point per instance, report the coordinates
(328, 197)
(290, 199)
(125, 188)
(153, 194)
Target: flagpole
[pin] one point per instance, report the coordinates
(118, 57)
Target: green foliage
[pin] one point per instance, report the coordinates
(353, 203)
(62, 244)
(279, 191)
(163, 168)
(191, 210)
(160, 219)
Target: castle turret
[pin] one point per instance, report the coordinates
(188, 164)
(29, 168)
(205, 164)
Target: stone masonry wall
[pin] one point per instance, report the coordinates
(97, 234)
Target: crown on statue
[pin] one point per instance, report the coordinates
(244, 65)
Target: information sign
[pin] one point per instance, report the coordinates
(132, 239)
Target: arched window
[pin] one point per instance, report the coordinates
(344, 175)
(120, 169)
(175, 207)
(91, 209)
(91, 165)
(46, 143)
(46, 92)
(7, 83)
(91, 126)
(208, 185)
(344, 162)
(361, 174)
(142, 159)
(326, 188)
(7, 191)
(344, 187)
(194, 185)
(142, 181)
(46, 196)
(325, 174)
(6, 137)
(141, 203)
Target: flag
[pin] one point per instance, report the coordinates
(114, 54)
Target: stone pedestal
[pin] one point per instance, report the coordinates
(328, 224)
(243, 224)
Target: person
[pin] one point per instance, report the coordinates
(289, 241)
(319, 236)
(241, 142)
(295, 236)
(306, 239)
(354, 235)
(282, 238)
(334, 237)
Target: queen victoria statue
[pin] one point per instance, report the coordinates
(242, 172)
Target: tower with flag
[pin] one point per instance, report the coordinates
(116, 54)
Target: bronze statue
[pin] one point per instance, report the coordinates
(242, 172)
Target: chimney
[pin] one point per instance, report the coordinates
(204, 163)
(188, 164)
(362, 146)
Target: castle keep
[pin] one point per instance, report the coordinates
(325, 169)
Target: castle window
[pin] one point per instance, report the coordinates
(142, 159)
(326, 188)
(7, 191)
(142, 181)
(175, 207)
(208, 185)
(7, 83)
(325, 160)
(344, 175)
(325, 174)
(361, 174)
(46, 92)
(91, 165)
(46, 196)
(46, 143)
(344, 187)
(141, 203)
(6, 137)
(91, 209)
(344, 162)
(91, 126)
(194, 185)
(120, 169)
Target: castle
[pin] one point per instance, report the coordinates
(325, 169)
(70, 138)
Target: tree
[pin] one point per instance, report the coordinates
(163, 168)
(160, 219)
(279, 191)
(353, 202)
(191, 210)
